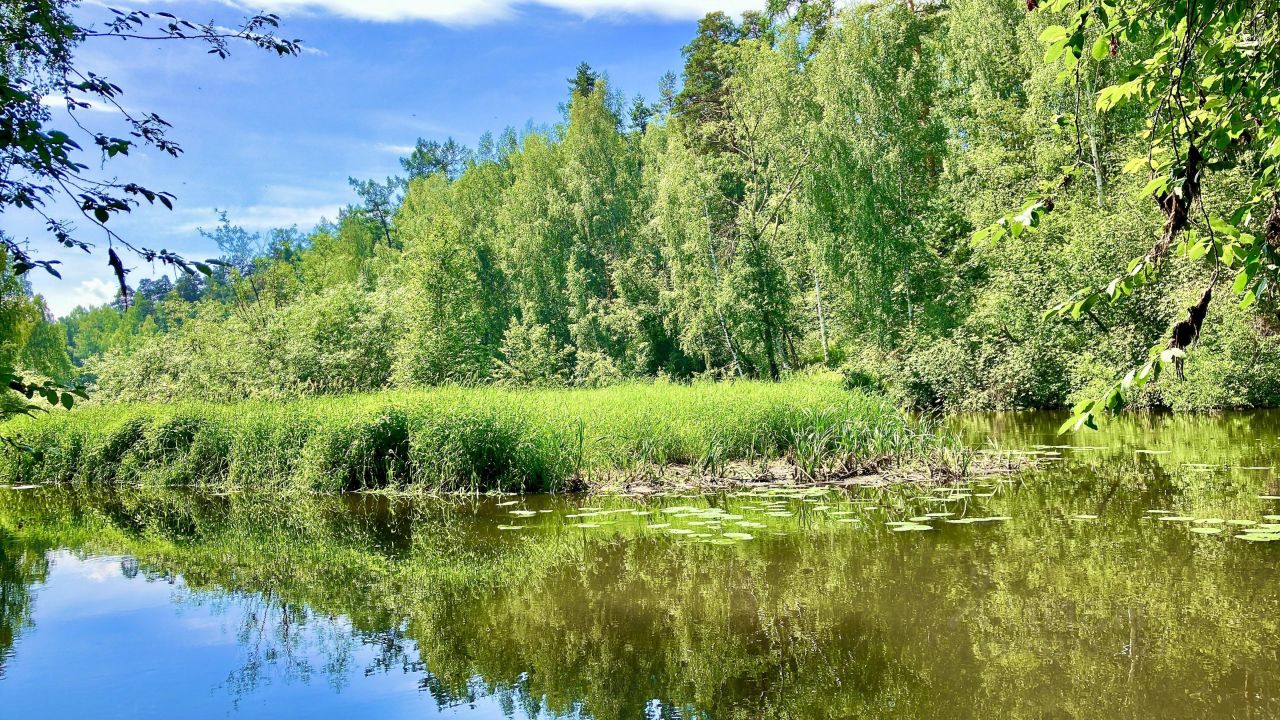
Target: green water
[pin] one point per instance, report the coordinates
(1092, 586)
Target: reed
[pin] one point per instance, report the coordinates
(469, 439)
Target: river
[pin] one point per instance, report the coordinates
(1133, 572)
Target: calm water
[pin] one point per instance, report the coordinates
(1092, 587)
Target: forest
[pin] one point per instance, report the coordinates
(810, 192)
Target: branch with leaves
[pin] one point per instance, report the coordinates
(1206, 76)
(40, 164)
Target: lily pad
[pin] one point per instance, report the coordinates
(912, 527)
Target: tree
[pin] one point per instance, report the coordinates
(700, 103)
(29, 343)
(583, 82)
(641, 114)
(380, 200)
(238, 247)
(1203, 75)
(879, 147)
(41, 164)
(429, 157)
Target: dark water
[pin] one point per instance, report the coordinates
(1081, 603)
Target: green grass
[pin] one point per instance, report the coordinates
(474, 439)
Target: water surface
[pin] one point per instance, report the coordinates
(1093, 586)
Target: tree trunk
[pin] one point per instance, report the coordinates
(822, 323)
(769, 350)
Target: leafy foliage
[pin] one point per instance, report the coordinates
(807, 196)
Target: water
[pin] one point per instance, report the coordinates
(155, 603)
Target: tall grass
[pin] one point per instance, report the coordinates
(468, 438)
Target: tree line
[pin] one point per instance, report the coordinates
(805, 194)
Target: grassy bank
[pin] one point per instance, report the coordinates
(470, 439)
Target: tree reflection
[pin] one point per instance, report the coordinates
(21, 567)
(1040, 617)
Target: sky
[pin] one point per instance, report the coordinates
(272, 140)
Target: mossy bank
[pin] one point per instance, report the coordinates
(472, 439)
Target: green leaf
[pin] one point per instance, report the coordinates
(1053, 34)
(1156, 184)
(1101, 48)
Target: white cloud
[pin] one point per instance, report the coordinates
(479, 12)
(57, 101)
(395, 149)
(255, 218)
(91, 292)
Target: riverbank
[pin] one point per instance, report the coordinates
(485, 439)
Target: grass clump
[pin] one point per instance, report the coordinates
(477, 439)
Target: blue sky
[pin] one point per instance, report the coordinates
(273, 140)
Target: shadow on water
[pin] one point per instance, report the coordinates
(1112, 580)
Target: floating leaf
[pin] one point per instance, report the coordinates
(1206, 530)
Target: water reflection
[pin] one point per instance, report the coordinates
(21, 567)
(1085, 603)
